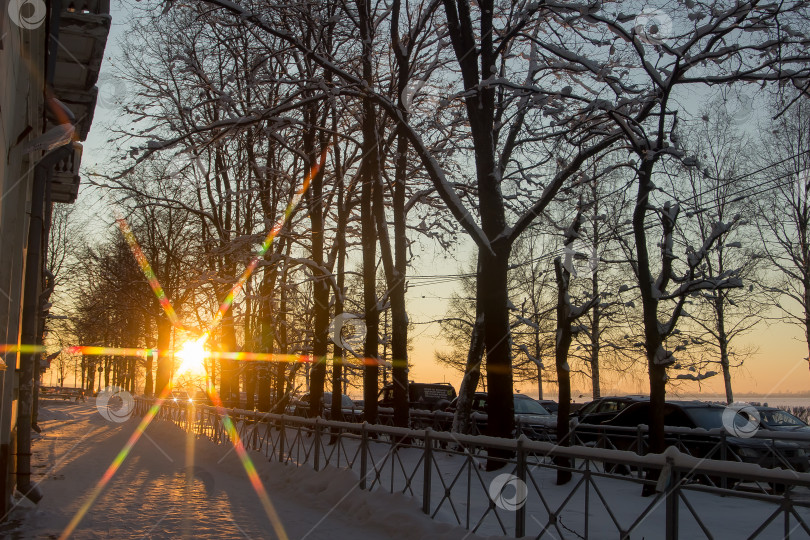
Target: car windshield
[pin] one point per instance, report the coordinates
(528, 406)
(345, 401)
(589, 408)
(550, 406)
(779, 419)
(710, 417)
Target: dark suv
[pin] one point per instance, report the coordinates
(423, 396)
(349, 411)
(698, 415)
(531, 418)
(605, 408)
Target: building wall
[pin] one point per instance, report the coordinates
(22, 68)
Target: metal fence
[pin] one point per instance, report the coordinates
(445, 474)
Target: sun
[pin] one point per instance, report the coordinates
(192, 355)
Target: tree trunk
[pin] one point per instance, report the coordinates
(250, 386)
(500, 405)
(229, 382)
(148, 385)
(480, 105)
(562, 346)
(264, 369)
(595, 339)
(538, 355)
(283, 345)
(164, 355)
(396, 283)
(722, 341)
(320, 286)
(91, 379)
(649, 302)
(337, 351)
(462, 419)
(370, 171)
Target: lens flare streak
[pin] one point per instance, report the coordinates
(146, 268)
(268, 241)
(114, 466)
(247, 463)
(233, 434)
(242, 356)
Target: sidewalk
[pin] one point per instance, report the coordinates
(149, 496)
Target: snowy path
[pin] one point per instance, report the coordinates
(149, 496)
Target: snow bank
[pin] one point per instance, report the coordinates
(397, 515)
(47, 414)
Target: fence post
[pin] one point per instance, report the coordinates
(520, 512)
(255, 437)
(282, 435)
(427, 464)
(363, 457)
(316, 440)
(723, 456)
(671, 497)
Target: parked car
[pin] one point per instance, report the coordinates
(423, 396)
(696, 414)
(775, 419)
(604, 408)
(549, 405)
(531, 418)
(181, 397)
(243, 400)
(349, 411)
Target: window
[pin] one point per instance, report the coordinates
(589, 408)
(711, 417)
(779, 419)
(608, 406)
(529, 406)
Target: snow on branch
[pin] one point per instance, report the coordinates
(698, 377)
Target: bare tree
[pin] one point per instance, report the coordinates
(784, 211)
(567, 316)
(717, 194)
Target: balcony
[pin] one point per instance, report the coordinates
(75, 52)
(65, 179)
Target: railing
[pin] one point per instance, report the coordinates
(776, 449)
(445, 474)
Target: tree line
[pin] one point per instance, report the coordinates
(596, 156)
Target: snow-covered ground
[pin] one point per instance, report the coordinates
(149, 496)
